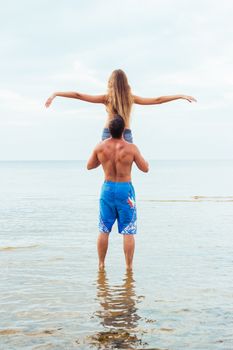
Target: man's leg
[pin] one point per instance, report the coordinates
(102, 247)
(129, 245)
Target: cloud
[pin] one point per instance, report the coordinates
(17, 124)
(213, 72)
(11, 101)
(80, 74)
(165, 47)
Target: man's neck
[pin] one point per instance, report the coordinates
(117, 139)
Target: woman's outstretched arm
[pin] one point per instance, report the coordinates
(162, 99)
(77, 95)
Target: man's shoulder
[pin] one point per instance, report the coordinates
(130, 146)
(99, 146)
(102, 144)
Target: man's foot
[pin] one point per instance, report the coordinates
(129, 267)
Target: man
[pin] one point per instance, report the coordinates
(117, 199)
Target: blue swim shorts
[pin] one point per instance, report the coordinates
(127, 134)
(117, 202)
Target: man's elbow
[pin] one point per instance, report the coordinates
(146, 168)
(89, 167)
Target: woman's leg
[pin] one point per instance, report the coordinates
(127, 134)
(105, 134)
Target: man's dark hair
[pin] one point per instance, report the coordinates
(116, 127)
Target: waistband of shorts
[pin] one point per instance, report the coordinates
(113, 183)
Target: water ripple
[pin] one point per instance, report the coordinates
(9, 248)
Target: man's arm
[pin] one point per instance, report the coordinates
(141, 163)
(93, 161)
(77, 95)
(162, 99)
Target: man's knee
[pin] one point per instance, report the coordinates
(129, 241)
(103, 236)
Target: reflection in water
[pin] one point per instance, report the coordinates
(118, 313)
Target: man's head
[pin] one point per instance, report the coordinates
(116, 127)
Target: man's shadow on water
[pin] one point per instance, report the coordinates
(117, 313)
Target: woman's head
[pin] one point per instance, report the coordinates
(119, 95)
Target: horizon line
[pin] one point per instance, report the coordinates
(84, 160)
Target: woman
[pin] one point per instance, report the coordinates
(118, 101)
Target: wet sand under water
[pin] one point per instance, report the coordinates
(179, 295)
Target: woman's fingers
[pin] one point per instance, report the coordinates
(191, 99)
(48, 102)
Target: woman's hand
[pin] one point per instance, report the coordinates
(77, 95)
(50, 100)
(189, 98)
(162, 99)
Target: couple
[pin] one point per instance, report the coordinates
(116, 154)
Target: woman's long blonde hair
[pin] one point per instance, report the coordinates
(119, 97)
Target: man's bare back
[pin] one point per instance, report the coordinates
(116, 157)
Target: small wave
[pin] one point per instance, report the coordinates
(7, 248)
(43, 333)
(166, 329)
(9, 331)
(194, 199)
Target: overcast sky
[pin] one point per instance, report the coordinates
(164, 46)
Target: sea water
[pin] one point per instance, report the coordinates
(180, 293)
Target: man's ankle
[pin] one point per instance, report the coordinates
(101, 266)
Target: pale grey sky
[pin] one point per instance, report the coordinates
(164, 46)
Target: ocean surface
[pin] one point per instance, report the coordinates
(180, 293)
